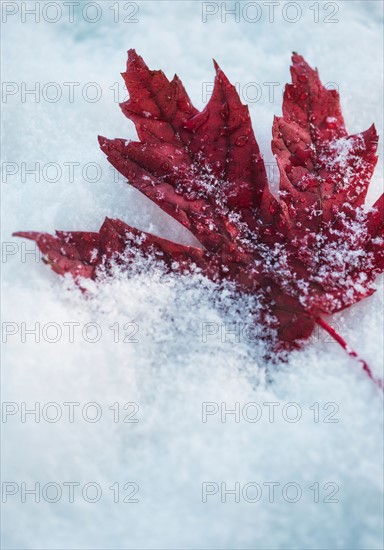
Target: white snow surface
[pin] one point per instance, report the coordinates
(171, 371)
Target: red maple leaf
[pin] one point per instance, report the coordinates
(310, 252)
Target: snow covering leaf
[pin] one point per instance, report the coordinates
(310, 252)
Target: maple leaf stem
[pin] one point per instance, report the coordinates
(340, 340)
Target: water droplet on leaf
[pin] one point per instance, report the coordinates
(273, 207)
(241, 141)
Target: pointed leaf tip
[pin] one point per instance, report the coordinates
(132, 53)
